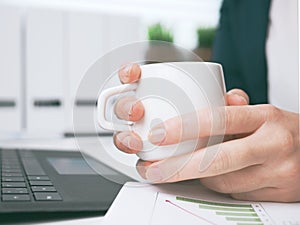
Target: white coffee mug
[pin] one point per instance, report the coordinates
(167, 90)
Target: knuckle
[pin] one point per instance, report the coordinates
(292, 170)
(222, 162)
(287, 142)
(272, 112)
(219, 183)
(288, 175)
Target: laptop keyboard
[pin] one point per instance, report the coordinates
(23, 178)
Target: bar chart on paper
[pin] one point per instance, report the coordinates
(170, 209)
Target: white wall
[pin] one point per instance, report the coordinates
(11, 103)
(182, 16)
(53, 42)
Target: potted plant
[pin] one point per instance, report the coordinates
(161, 48)
(205, 38)
(157, 32)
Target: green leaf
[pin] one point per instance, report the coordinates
(157, 32)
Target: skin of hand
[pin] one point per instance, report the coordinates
(262, 162)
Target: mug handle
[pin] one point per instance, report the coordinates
(102, 106)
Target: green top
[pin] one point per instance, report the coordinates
(239, 46)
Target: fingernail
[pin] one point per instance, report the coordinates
(153, 174)
(131, 143)
(128, 107)
(125, 73)
(157, 135)
(241, 98)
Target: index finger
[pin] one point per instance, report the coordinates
(204, 123)
(212, 161)
(130, 73)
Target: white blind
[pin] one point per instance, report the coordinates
(197, 10)
(183, 17)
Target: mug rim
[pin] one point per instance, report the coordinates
(185, 62)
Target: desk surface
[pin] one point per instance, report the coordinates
(75, 221)
(70, 144)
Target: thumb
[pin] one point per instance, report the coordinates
(237, 97)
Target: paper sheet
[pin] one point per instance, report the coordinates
(193, 211)
(190, 203)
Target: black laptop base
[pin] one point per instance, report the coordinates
(52, 181)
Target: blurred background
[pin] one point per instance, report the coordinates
(46, 46)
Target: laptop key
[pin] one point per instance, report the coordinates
(14, 191)
(11, 171)
(37, 178)
(43, 189)
(9, 198)
(10, 164)
(32, 167)
(10, 167)
(12, 179)
(13, 184)
(40, 183)
(12, 175)
(39, 196)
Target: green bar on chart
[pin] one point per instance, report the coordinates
(226, 208)
(250, 219)
(249, 224)
(212, 203)
(236, 214)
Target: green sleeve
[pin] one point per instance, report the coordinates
(239, 46)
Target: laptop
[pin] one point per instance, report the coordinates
(53, 181)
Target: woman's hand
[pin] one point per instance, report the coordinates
(262, 165)
(128, 108)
